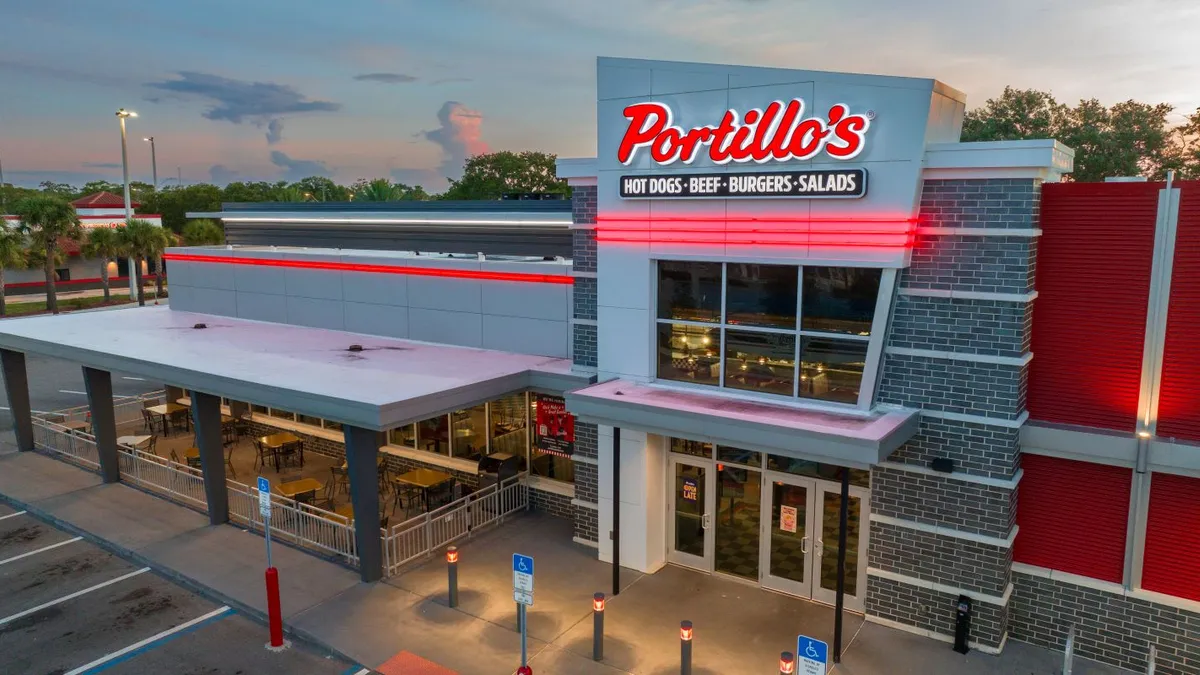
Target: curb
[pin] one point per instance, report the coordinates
(172, 575)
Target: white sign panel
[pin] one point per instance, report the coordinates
(523, 597)
(264, 497)
(522, 582)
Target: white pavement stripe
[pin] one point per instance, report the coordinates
(153, 638)
(76, 594)
(13, 515)
(40, 550)
(136, 379)
(36, 412)
(68, 391)
(364, 671)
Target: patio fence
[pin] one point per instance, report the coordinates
(126, 409)
(295, 522)
(77, 447)
(177, 482)
(419, 537)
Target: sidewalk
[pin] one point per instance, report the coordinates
(739, 628)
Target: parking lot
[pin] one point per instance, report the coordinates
(68, 607)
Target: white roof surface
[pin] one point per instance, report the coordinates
(306, 370)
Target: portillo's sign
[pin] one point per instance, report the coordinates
(777, 133)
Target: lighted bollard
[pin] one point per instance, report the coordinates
(598, 627)
(685, 648)
(524, 670)
(787, 663)
(452, 572)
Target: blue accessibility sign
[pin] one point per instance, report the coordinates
(812, 656)
(522, 564)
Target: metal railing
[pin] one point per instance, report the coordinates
(295, 522)
(421, 536)
(126, 409)
(177, 482)
(76, 446)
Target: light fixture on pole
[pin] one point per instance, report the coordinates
(153, 160)
(121, 115)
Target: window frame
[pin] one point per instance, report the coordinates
(875, 341)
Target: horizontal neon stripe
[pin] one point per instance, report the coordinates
(377, 269)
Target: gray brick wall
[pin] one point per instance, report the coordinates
(932, 610)
(943, 501)
(583, 204)
(972, 263)
(587, 523)
(552, 503)
(960, 563)
(1011, 203)
(587, 439)
(977, 449)
(959, 325)
(587, 482)
(584, 350)
(1111, 628)
(967, 387)
(584, 297)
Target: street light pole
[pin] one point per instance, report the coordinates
(121, 115)
(153, 160)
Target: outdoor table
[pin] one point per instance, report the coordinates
(165, 411)
(425, 480)
(275, 442)
(346, 511)
(138, 442)
(298, 487)
(191, 456)
(75, 426)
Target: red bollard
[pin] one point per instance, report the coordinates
(524, 670)
(274, 614)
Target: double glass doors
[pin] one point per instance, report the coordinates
(775, 528)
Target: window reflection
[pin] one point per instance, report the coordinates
(831, 370)
(470, 432)
(405, 436)
(509, 424)
(433, 435)
(689, 291)
(760, 361)
(830, 472)
(840, 299)
(761, 295)
(696, 448)
(689, 353)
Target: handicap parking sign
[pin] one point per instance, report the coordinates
(812, 656)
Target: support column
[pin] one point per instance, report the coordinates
(98, 385)
(361, 448)
(16, 385)
(206, 415)
(616, 514)
(172, 394)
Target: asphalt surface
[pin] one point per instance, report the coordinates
(68, 608)
(55, 384)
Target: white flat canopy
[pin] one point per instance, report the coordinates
(304, 370)
(858, 441)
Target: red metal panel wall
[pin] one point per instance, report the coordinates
(1172, 559)
(1178, 412)
(1072, 516)
(1089, 320)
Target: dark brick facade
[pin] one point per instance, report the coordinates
(943, 501)
(948, 385)
(587, 482)
(587, 439)
(990, 327)
(1000, 203)
(584, 298)
(946, 560)
(552, 503)
(977, 449)
(587, 523)
(583, 206)
(933, 610)
(584, 347)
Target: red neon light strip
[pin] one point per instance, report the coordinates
(812, 244)
(747, 219)
(377, 269)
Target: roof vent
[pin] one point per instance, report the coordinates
(355, 348)
(200, 326)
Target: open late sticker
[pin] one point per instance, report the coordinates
(814, 183)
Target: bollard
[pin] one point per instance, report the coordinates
(274, 615)
(1069, 652)
(787, 663)
(452, 572)
(524, 670)
(1153, 656)
(598, 627)
(685, 648)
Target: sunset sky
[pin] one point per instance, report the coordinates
(282, 89)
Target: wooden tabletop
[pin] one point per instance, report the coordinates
(135, 441)
(297, 487)
(276, 441)
(346, 511)
(192, 453)
(423, 478)
(166, 408)
(76, 425)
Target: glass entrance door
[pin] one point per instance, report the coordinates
(690, 520)
(827, 499)
(786, 544)
(739, 505)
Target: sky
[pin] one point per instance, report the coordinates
(407, 89)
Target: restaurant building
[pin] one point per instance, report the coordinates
(767, 281)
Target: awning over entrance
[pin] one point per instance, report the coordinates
(846, 440)
(311, 371)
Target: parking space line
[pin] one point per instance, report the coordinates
(361, 671)
(40, 550)
(13, 515)
(72, 596)
(109, 660)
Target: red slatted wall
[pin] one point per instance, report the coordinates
(1172, 559)
(1072, 516)
(1179, 398)
(1089, 320)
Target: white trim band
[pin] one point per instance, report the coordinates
(946, 531)
(1000, 601)
(584, 322)
(934, 635)
(586, 542)
(1003, 484)
(961, 356)
(550, 485)
(969, 295)
(582, 275)
(978, 419)
(587, 505)
(981, 231)
(585, 460)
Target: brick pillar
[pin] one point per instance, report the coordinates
(959, 351)
(583, 259)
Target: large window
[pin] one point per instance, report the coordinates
(773, 329)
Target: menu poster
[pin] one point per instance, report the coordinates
(690, 490)
(787, 518)
(555, 426)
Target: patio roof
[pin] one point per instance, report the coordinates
(848, 440)
(304, 370)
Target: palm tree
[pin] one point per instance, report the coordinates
(102, 243)
(12, 257)
(203, 232)
(167, 240)
(140, 239)
(45, 219)
(379, 190)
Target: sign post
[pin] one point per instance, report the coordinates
(812, 656)
(523, 595)
(264, 509)
(274, 613)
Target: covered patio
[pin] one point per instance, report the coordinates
(215, 427)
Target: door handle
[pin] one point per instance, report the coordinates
(804, 544)
(820, 547)
(705, 521)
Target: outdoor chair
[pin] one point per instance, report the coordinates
(262, 454)
(339, 482)
(229, 461)
(148, 420)
(152, 445)
(407, 497)
(291, 452)
(181, 420)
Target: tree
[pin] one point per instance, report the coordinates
(167, 239)
(203, 232)
(58, 189)
(257, 191)
(92, 187)
(322, 189)
(102, 243)
(288, 193)
(45, 219)
(384, 190)
(492, 175)
(140, 240)
(174, 202)
(12, 257)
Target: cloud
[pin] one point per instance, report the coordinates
(102, 165)
(274, 131)
(222, 175)
(295, 169)
(450, 80)
(238, 100)
(460, 136)
(386, 78)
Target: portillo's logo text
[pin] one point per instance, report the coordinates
(777, 133)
